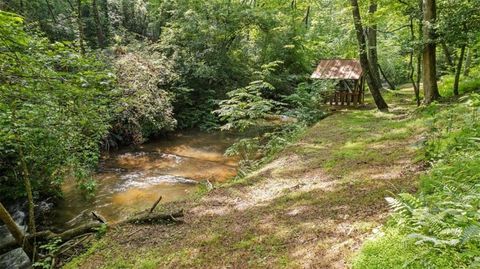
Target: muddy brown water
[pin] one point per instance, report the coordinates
(133, 178)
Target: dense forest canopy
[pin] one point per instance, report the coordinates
(78, 77)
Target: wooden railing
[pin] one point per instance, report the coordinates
(346, 98)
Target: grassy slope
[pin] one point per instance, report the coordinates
(443, 230)
(311, 207)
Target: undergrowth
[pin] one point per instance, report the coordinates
(467, 83)
(440, 226)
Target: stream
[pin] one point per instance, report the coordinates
(131, 179)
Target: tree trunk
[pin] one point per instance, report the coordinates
(362, 47)
(106, 28)
(98, 25)
(51, 11)
(45, 236)
(28, 187)
(458, 70)
(12, 227)
(430, 86)
(448, 55)
(468, 63)
(81, 37)
(419, 50)
(31, 205)
(416, 86)
(419, 73)
(390, 84)
(372, 45)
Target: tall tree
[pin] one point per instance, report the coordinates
(430, 86)
(98, 25)
(81, 34)
(372, 44)
(458, 26)
(458, 69)
(468, 62)
(362, 49)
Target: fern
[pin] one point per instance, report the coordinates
(470, 233)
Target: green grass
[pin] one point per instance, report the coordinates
(394, 251)
(467, 84)
(448, 200)
(354, 146)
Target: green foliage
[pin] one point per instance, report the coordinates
(247, 106)
(307, 100)
(145, 108)
(102, 230)
(443, 220)
(468, 83)
(54, 110)
(49, 249)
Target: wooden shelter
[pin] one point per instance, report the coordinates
(350, 86)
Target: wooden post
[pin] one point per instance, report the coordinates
(362, 91)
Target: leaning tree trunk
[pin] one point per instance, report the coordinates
(458, 70)
(28, 187)
(362, 47)
(31, 205)
(17, 234)
(372, 46)
(430, 86)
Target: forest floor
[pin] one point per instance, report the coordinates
(310, 208)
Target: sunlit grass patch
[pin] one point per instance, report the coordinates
(467, 84)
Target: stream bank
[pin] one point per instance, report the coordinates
(130, 180)
(312, 206)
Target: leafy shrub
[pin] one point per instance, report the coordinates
(144, 109)
(307, 100)
(467, 83)
(55, 108)
(248, 105)
(248, 108)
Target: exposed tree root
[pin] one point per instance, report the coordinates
(92, 227)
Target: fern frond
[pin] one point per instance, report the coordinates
(469, 233)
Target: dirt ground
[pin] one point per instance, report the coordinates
(310, 208)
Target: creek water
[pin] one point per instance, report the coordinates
(132, 179)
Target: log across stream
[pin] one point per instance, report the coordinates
(131, 179)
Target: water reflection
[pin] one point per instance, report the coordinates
(132, 179)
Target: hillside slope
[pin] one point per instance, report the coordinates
(311, 207)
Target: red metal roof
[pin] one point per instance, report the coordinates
(338, 69)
